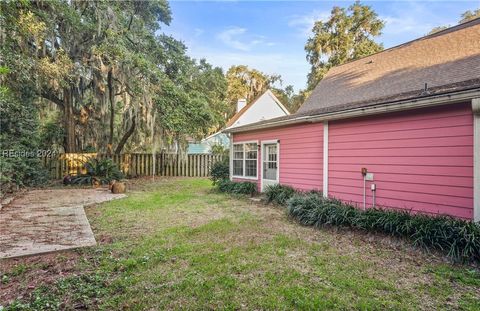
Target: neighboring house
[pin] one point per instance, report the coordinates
(265, 107)
(408, 116)
(206, 144)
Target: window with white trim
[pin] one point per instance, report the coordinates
(245, 157)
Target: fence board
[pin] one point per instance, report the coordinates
(134, 164)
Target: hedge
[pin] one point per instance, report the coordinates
(459, 239)
(243, 187)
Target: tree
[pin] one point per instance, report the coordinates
(437, 29)
(348, 34)
(469, 15)
(465, 17)
(104, 66)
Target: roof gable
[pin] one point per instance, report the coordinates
(448, 58)
(266, 98)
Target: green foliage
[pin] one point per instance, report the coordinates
(103, 171)
(51, 135)
(345, 36)
(465, 17)
(469, 15)
(279, 194)
(83, 290)
(459, 239)
(220, 171)
(220, 150)
(18, 133)
(243, 187)
(132, 87)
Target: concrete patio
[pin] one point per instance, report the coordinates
(42, 221)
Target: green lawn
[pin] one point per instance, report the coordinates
(176, 243)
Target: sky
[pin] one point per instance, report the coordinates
(270, 35)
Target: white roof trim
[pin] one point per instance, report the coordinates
(416, 103)
(277, 101)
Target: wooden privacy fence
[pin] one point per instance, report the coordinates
(135, 164)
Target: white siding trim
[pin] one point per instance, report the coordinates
(325, 158)
(476, 158)
(231, 157)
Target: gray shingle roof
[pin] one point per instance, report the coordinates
(447, 61)
(448, 57)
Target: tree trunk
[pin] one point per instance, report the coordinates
(69, 121)
(111, 97)
(125, 137)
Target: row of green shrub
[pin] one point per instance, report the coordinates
(244, 187)
(459, 239)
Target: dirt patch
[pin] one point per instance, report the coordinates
(19, 277)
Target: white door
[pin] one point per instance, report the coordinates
(269, 165)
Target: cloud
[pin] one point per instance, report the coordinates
(412, 18)
(405, 24)
(304, 23)
(238, 39)
(198, 32)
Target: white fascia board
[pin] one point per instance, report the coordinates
(430, 101)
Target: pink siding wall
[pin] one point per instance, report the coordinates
(301, 153)
(422, 160)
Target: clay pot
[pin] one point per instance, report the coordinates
(119, 187)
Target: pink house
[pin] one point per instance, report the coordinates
(397, 129)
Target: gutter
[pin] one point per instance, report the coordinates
(435, 100)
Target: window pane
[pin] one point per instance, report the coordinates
(251, 151)
(238, 151)
(238, 167)
(251, 168)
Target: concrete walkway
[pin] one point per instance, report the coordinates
(42, 221)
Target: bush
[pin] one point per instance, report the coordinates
(103, 171)
(243, 187)
(19, 134)
(459, 239)
(279, 194)
(219, 171)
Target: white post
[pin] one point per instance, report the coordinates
(325, 159)
(231, 156)
(476, 158)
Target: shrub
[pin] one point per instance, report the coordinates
(279, 194)
(243, 187)
(459, 239)
(103, 171)
(219, 171)
(19, 134)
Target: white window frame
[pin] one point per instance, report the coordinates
(243, 143)
(270, 142)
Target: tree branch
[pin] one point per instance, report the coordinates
(52, 97)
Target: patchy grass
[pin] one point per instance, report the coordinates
(176, 243)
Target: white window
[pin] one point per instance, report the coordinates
(244, 162)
